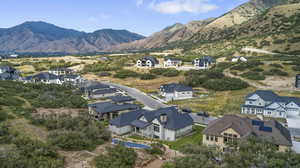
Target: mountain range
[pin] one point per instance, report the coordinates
(47, 38)
(264, 24)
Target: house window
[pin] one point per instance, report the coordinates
(156, 128)
(230, 138)
(211, 138)
(216, 139)
(207, 138)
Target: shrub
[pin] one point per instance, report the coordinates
(253, 76)
(3, 115)
(225, 84)
(118, 156)
(296, 68)
(247, 65)
(214, 75)
(258, 70)
(147, 77)
(276, 65)
(126, 74)
(168, 72)
(278, 72)
(156, 149)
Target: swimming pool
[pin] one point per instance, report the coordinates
(130, 144)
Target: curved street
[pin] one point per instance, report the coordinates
(139, 96)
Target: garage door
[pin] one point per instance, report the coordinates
(293, 112)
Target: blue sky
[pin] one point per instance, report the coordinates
(140, 16)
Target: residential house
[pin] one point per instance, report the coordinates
(61, 71)
(205, 62)
(45, 77)
(269, 104)
(175, 91)
(239, 59)
(121, 99)
(9, 73)
(147, 61)
(108, 110)
(165, 124)
(99, 90)
(172, 62)
(73, 79)
(298, 81)
(232, 128)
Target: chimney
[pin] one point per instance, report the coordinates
(163, 118)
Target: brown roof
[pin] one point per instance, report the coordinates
(278, 135)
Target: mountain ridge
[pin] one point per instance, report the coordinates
(38, 36)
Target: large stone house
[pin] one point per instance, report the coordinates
(175, 91)
(269, 104)
(172, 62)
(45, 77)
(205, 62)
(61, 71)
(147, 61)
(164, 124)
(9, 73)
(231, 128)
(108, 110)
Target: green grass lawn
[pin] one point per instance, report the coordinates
(195, 139)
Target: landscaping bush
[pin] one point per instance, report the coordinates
(147, 76)
(117, 157)
(126, 74)
(225, 84)
(276, 65)
(168, 72)
(156, 149)
(253, 76)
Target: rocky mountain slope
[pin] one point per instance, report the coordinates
(194, 31)
(48, 38)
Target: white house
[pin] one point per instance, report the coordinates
(239, 59)
(148, 61)
(172, 62)
(73, 79)
(45, 77)
(60, 71)
(269, 104)
(205, 62)
(175, 91)
(164, 124)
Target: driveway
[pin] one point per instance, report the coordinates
(294, 127)
(139, 96)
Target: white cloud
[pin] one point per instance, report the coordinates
(179, 6)
(139, 3)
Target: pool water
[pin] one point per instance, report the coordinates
(130, 144)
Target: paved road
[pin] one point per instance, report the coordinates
(294, 127)
(139, 96)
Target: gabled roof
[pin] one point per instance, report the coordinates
(266, 95)
(175, 120)
(121, 99)
(151, 58)
(108, 107)
(44, 76)
(72, 76)
(96, 86)
(208, 59)
(104, 91)
(172, 87)
(275, 133)
(288, 100)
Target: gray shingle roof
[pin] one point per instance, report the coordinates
(104, 91)
(108, 107)
(266, 95)
(172, 87)
(175, 120)
(44, 76)
(140, 124)
(244, 126)
(96, 86)
(121, 99)
(151, 58)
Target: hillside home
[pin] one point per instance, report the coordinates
(269, 104)
(61, 71)
(298, 81)
(73, 79)
(239, 59)
(175, 91)
(9, 73)
(99, 90)
(46, 78)
(172, 62)
(205, 62)
(164, 124)
(147, 61)
(232, 128)
(108, 110)
(122, 99)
